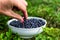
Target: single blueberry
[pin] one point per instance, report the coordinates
(33, 26)
(27, 26)
(43, 23)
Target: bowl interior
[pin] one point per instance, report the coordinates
(28, 18)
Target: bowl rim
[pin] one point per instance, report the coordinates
(8, 23)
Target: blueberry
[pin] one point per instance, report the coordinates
(39, 25)
(43, 23)
(27, 26)
(33, 26)
(40, 20)
(13, 23)
(28, 23)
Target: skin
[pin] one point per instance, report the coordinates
(7, 5)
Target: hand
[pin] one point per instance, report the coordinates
(7, 5)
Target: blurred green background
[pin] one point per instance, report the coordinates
(47, 9)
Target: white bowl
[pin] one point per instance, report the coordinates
(27, 32)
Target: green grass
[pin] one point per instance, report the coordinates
(47, 34)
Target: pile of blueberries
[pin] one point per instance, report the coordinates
(29, 23)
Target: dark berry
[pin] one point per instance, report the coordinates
(29, 23)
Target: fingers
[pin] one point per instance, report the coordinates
(25, 14)
(20, 4)
(24, 2)
(13, 14)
